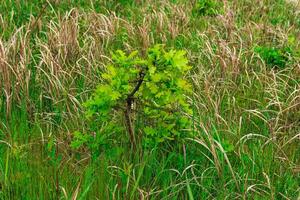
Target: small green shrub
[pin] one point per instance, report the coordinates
(274, 57)
(145, 97)
(208, 7)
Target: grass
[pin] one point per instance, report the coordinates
(246, 113)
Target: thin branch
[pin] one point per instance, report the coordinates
(138, 85)
(128, 110)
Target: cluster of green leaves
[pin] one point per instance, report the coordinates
(163, 94)
(208, 7)
(156, 86)
(274, 57)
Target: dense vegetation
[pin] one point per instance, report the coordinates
(149, 99)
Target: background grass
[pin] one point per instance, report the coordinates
(246, 110)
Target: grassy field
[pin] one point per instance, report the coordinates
(244, 137)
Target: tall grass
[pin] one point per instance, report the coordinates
(246, 113)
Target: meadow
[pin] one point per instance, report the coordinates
(149, 99)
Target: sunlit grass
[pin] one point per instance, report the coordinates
(246, 112)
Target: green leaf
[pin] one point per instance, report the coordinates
(79, 140)
(183, 84)
(150, 131)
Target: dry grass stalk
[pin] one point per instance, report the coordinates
(63, 37)
(5, 78)
(143, 34)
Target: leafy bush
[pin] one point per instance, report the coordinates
(274, 57)
(146, 96)
(208, 7)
